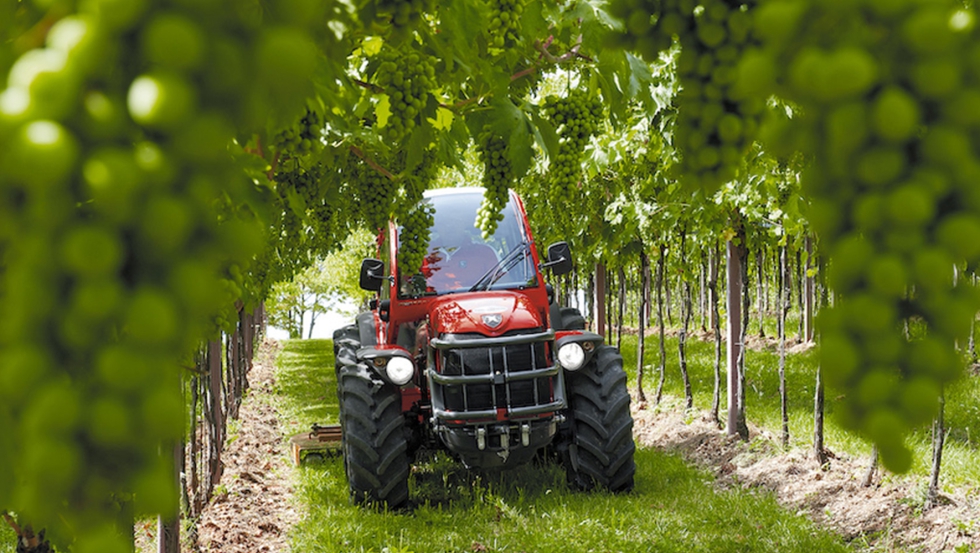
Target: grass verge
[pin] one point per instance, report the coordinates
(961, 458)
(673, 508)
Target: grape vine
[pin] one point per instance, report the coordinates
(374, 191)
(717, 121)
(151, 148)
(300, 139)
(404, 15)
(413, 240)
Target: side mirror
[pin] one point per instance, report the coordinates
(559, 258)
(372, 274)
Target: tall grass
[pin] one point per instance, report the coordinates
(673, 508)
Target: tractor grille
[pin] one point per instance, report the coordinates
(503, 377)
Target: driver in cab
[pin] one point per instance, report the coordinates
(457, 257)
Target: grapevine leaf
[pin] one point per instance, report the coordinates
(461, 22)
(533, 22)
(372, 45)
(596, 22)
(382, 111)
(640, 77)
(418, 143)
(545, 134)
(296, 203)
(368, 13)
(365, 103)
(610, 68)
(510, 122)
(443, 120)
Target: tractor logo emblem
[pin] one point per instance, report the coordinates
(493, 320)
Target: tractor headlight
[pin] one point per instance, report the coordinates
(571, 356)
(400, 370)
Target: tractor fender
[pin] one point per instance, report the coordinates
(368, 326)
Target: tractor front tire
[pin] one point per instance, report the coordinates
(373, 444)
(598, 442)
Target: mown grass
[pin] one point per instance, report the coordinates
(673, 508)
(961, 458)
(306, 389)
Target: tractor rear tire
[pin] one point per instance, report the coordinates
(572, 319)
(374, 445)
(598, 443)
(346, 342)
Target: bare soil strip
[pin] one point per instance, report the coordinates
(253, 508)
(886, 516)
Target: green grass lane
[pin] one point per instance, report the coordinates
(673, 508)
(306, 389)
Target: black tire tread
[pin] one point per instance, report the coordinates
(373, 439)
(375, 449)
(600, 441)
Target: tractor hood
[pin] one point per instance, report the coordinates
(486, 313)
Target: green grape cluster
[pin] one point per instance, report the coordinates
(888, 122)
(498, 177)
(413, 238)
(125, 238)
(415, 215)
(415, 181)
(375, 193)
(576, 117)
(300, 139)
(716, 121)
(505, 22)
(407, 77)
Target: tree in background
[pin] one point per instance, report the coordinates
(330, 284)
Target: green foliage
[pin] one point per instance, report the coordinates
(8, 539)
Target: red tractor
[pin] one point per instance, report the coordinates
(470, 354)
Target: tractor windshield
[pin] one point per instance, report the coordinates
(458, 259)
